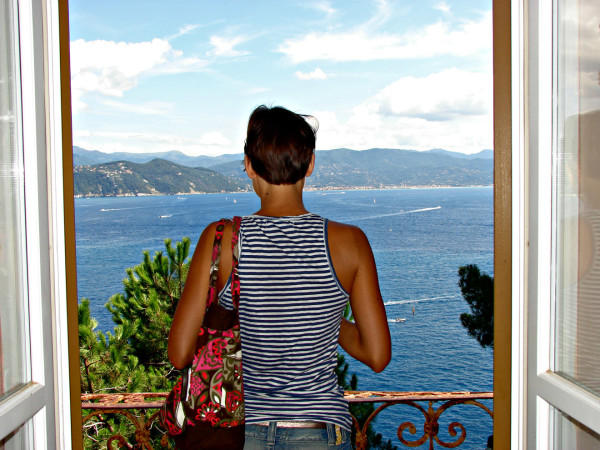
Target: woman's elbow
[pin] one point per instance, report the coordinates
(178, 364)
(177, 359)
(380, 356)
(380, 362)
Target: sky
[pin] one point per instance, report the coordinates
(152, 76)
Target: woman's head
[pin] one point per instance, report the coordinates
(279, 144)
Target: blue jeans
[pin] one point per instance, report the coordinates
(260, 437)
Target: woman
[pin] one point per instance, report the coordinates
(297, 271)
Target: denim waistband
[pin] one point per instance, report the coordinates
(294, 424)
(273, 435)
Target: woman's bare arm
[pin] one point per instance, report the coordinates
(192, 304)
(368, 337)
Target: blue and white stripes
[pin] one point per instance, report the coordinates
(291, 306)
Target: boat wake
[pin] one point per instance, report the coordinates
(418, 300)
(398, 213)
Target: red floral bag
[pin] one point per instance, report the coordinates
(205, 408)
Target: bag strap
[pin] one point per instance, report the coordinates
(214, 266)
(235, 254)
(212, 295)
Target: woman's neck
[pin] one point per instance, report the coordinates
(280, 200)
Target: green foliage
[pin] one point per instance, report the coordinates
(152, 291)
(109, 365)
(133, 358)
(478, 291)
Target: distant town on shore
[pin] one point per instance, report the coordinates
(98, 174)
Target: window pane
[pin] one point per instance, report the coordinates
(577, 193)
(14, 349)
(572, 435)
(19, 439)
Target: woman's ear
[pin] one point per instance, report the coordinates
(311, 166)
(248, 168)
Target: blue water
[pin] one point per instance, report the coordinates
(419, 237)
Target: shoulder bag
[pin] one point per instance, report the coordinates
(205, 408)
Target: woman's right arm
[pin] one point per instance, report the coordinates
(368, 337)
(189, 314)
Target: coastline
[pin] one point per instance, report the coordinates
(306, 189)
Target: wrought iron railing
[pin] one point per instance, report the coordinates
(431, 405)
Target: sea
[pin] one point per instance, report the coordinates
(420, 238)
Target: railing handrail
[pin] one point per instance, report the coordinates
(118, 403)
(137, 400)
(418, 396)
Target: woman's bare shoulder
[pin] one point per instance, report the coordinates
(347, 235)
(348, 246)
(209, 232)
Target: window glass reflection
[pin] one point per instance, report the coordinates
(572, 435)
(13, 295)
(19, 439)
(577, 193)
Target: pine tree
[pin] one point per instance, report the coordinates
(152, 291)
(133, 358)
(478, 291)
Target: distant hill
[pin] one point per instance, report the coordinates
(157, 177)
(389, 168)
(383, 168)
(339, 168)
(90, 157)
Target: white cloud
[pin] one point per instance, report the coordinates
(435, 39)
(151, 108)
(183, 31)
(111, 68)
(465, 136)
(438, 97)
(325, 7)
(316, 74)
(223, 46)
(451, 110)
(380, 17)
(213, 143)
(442, 6)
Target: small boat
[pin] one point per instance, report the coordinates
(399, 319)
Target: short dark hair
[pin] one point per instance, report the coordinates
(280, 144)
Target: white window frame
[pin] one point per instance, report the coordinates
(544, 389)
(44, 402)
(519, 238)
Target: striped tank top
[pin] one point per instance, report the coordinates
(291, 306)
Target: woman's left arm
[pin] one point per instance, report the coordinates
(192, 304)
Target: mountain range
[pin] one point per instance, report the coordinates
(118, 174)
